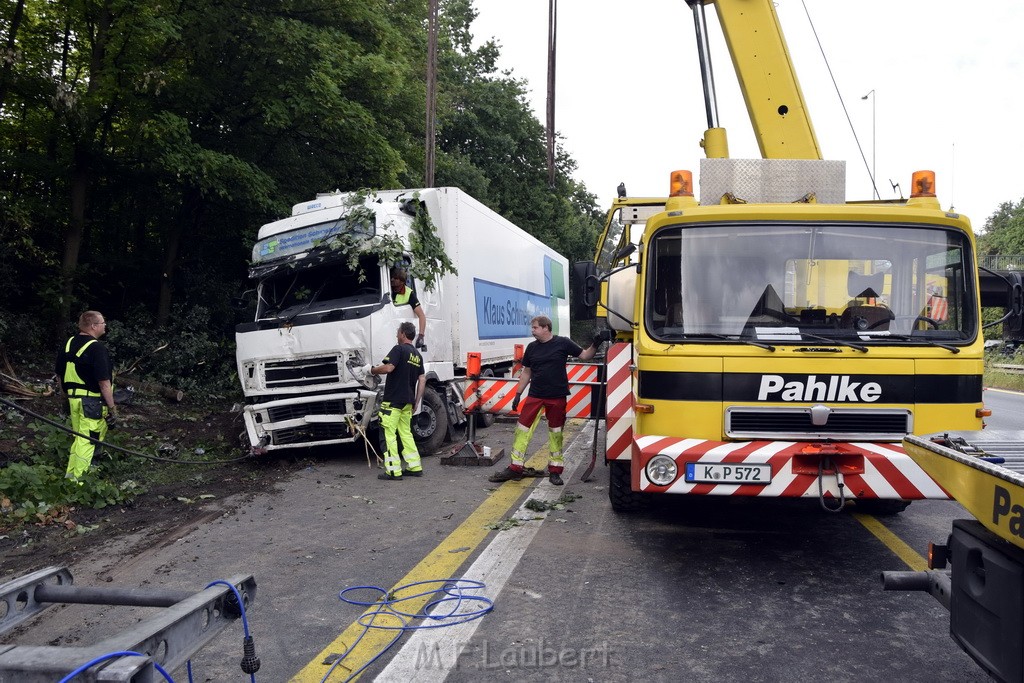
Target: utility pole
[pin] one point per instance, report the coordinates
(431, 132)
(552, 31)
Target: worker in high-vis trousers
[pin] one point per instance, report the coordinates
(544, 371)
(84, 373)
(403, 393)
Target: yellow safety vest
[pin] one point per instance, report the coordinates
(74, 385)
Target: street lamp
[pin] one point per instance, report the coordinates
(874, 185)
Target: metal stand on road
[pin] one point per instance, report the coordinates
(470, 453)
(188, 622)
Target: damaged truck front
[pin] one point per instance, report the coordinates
(322, 302)
(325, 310)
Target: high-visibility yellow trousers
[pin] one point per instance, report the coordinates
(83, 450)
(530, 413)
(397, 424)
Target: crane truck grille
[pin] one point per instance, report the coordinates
(818, 422)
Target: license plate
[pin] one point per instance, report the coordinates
(728, 473)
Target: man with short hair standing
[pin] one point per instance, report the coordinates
(403, 390)
(84, 374)
(544, 370)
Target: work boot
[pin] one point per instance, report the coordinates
(413, 473)
(389, 477)
(507, 474)
(556, 479)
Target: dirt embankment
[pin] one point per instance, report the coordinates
(177, 499)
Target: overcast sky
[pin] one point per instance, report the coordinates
(947, 75)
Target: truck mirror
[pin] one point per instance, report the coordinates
(1014, 325)
(624, 252)
(241, 302)
(588, 289)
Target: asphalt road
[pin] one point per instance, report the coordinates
(695, 590)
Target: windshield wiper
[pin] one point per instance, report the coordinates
(733, 337)
(919, 340)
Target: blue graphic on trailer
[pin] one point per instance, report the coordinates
(504, 312)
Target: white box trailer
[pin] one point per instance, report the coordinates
(324, 307)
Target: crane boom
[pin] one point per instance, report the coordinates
(771, 90)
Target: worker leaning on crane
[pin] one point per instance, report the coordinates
(544, 371)
(84, 374)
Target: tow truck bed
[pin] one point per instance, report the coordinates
(983, 471)
(984, 585)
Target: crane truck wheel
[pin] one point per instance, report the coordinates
(430, 427)
(623, 498)
(882, 508)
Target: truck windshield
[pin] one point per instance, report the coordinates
(793, 283)
(332, 285)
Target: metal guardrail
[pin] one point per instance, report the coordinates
(1008, 367)
(1002, 261)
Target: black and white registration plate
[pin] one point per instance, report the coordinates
(728, 473)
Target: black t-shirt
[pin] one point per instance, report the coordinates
(547, 366)
(92, 366)
(400, 386)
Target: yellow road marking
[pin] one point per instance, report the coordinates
(440, 563)
(893, 542)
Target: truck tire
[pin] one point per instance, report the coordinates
(430, 427)
(882, 507)
(623, 498)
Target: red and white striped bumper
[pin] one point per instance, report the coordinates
(869, 470)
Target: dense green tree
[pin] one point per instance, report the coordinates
(1004, 231)
(142, 144)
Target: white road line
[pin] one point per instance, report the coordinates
(434, 653)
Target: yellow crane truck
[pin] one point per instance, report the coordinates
(772, 338)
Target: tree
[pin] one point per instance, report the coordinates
(142, 143)
(1004, 231)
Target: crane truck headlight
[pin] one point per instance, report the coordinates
(662, 470)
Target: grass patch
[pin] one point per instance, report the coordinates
(1000, 379)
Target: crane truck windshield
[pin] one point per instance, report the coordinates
(787, 282)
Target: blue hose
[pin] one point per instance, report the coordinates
(111, 655)
(453, 590)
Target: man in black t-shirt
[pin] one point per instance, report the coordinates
(84, 374)
(544, 370)
(403, 390)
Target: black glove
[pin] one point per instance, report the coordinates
(111, 418)
(515, 402)
(601, 337)
(420, 344)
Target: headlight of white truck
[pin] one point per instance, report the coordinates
(662, 470)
